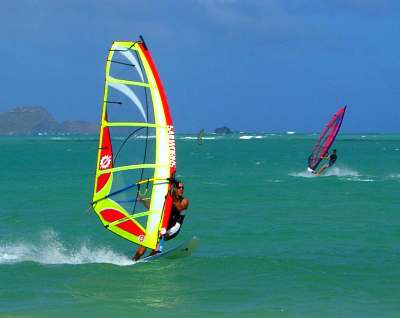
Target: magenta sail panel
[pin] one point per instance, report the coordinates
(326, 139)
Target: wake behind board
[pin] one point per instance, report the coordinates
(182, 250)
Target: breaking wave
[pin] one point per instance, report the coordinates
(50, 250)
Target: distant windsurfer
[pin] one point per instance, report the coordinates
(332, 159)
(200, 137)
(179, 205)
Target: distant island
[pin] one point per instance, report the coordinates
(223, 130)
(37, 120)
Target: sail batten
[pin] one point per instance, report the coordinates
(111, 79)
(128, 124)
(136, 153)
(132, 167)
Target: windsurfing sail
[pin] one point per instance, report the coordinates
(200, 137)
(326, 139)
(136, 154)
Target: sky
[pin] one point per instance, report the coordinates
(252, 65)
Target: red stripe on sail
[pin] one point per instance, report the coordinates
(106, 159)
(149, 59)
(102, 180)
(111, 215)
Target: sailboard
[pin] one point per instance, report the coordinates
(182, 250)
(326, 139)
(136, 159)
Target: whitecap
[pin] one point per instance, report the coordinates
(333, 171)
(340, 172)
(51, 250)
(303, 174)
(360, 179)
(247, 137)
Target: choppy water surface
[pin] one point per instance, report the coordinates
(276, 241)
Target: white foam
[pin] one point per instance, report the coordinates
(303, 174)
(247, 137)
(347, 174)
(333, 171)
(360, 179)
(138, 137)
(50, 250)
(340, 172)
(194, 137)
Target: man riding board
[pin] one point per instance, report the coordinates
(332, 159)
(179, 205)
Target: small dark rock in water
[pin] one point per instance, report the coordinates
(223, 130)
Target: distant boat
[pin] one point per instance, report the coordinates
(326, 139)
(290, 132)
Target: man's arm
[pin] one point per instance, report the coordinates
(144, 201)
(182, 205)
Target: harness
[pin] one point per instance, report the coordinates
(176, 216)
(332, 159)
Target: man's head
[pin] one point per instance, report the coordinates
(178, 187)
(334, 151)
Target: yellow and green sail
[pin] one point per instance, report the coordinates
(136, 154)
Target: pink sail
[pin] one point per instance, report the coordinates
(326, 139)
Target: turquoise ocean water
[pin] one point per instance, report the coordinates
(275, 241)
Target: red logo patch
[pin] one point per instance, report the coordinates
(105, 162)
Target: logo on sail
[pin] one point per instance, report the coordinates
(105, 162)
(171, 146)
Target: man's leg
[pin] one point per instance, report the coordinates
(324, 167)
(139, 253)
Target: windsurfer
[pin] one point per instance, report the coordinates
(332, 159)
(179, 205)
